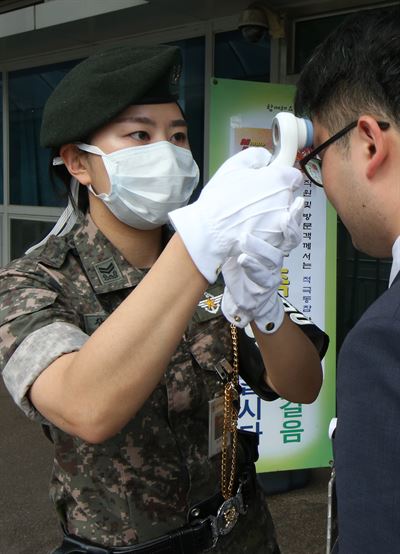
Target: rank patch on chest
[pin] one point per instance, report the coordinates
(93, 321)
(210, 303)
(108, 271)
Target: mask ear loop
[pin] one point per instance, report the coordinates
(90, 148)
(69, 216)
(66, 220)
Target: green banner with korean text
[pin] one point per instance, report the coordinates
(292, 436)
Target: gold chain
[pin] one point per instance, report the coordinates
(231, 407)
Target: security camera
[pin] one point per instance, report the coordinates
(257, 20)
(253, 24)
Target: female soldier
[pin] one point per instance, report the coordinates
(113, 339)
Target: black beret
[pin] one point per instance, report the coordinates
(103, 85)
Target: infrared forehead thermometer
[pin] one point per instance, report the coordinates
(289, 134)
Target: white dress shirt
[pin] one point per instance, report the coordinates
(396, 260)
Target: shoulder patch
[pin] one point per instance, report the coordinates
(209, 305)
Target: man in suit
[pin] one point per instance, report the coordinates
(350, 88)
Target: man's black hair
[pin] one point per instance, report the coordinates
(356, 70)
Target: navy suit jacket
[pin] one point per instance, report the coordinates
(367, 437)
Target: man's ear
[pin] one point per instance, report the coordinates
(74, 161)
(376, 144)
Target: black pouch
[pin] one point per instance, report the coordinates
(248, 441)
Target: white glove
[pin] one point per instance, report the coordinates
(244, 300)
(252, 280)
(289, 230)
(244, 197)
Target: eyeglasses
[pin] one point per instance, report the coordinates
(312, 163)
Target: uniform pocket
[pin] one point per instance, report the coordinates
(17, 302)
(211, 350)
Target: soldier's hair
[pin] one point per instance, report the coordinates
(59, 173)
(355, 71)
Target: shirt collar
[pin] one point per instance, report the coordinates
(396, 261)
(104, 265)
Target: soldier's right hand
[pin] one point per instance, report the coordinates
(244, 197)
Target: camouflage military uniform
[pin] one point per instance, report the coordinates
(139, 484)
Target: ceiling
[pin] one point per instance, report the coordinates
(156, 15)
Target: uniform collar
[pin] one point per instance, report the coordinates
(104, 265)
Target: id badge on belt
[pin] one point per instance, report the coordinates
(215, 425)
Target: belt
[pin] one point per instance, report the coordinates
(199, 535)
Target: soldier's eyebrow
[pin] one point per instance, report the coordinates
(136, 119)
(178, 123)
(148, 121)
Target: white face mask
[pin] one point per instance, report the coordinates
(147, 182)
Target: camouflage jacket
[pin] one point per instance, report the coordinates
(139, 484)
(142, 482)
